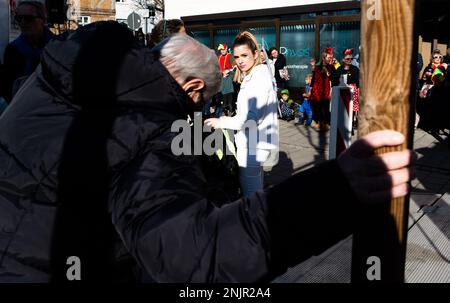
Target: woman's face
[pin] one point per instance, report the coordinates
(437, 59)
(245, 58)
(274, 54)
(329, 59)
(348, 60)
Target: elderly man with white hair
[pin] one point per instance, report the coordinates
(90, 189)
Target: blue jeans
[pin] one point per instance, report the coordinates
(305, 108)
(251, 177)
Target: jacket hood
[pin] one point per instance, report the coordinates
(102, 63)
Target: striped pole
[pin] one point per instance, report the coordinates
(341, 120)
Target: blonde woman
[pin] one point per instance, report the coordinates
(256, 118)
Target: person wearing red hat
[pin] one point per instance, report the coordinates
(226, 67)
(351, 79)
(324, 75)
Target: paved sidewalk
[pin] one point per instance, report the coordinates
(428, 252)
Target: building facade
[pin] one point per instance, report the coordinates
(82, 12)
(96, 10)
(299, 32)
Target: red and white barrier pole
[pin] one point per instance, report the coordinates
(341, 120)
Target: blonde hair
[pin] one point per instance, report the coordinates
(238, 76)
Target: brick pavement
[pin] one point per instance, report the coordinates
(428, 253)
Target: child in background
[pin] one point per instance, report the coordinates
(305, 108)
(287, 106)
(226, 95)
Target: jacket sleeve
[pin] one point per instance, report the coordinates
(176, 235)
(252, 102)
(243, 113)
(282, 59)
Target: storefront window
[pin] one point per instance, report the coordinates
(202, 37)
(340, 36)
(225, 36)
(343, 12)
(297, 45)
(297, 17)
(265, 36)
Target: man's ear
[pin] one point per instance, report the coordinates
(193, 88)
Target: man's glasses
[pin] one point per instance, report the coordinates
(26, 18)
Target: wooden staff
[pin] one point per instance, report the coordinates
(387, 89)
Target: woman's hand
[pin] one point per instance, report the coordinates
(377, 178)
(213, 122)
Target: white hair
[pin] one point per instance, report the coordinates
(187, 59)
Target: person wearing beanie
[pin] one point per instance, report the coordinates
(287, 106)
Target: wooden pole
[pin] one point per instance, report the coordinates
(389, 52)
(277, 34)
(317, 53)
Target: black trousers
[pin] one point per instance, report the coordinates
(321, 111)
(228, 102)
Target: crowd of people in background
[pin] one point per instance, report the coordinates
(312, 109)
